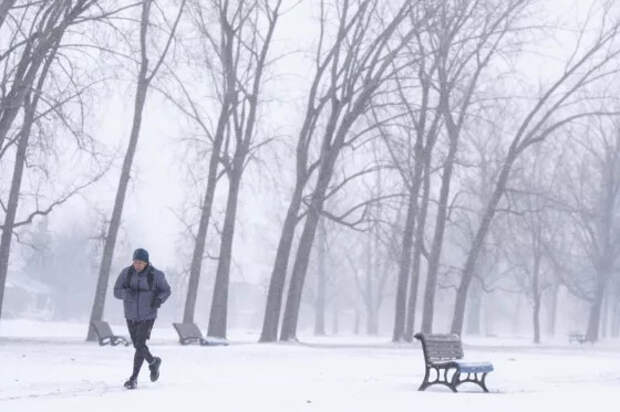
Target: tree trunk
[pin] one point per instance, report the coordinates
(536, 319)
(300, 267)
(553, 309)
(594, 319)
(372, 269)
(615, 325)
(219, 305)
(31, 100)
(273, 307)
(119, 202)
(474, 311)
(319, 325)
(293, 302)
(536, 295)
(205, 216)
(372, 320)
(476, 247)
(404, 269)
(418, 247)
(440, 227)
(13, 202)
(336, 319)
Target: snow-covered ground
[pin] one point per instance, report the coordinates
(47, 367)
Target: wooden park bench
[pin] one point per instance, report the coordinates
(577, 337)
(443, 354)
(190, 333)
(105, 335)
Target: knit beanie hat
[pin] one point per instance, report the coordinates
(141, 254)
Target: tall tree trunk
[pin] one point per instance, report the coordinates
(440, 227)
(404, 269)
(300, 267)
(219, 305)
(372, 269)
(13, 202)
(119, 202)
(31, 100)
(615, 325)
(142, 85)
(604, 315)
(205, 216)
(594, 318)
(536, 296)
(553, 309)
(121, 191)
(476, 247)
(474, 309)
(11, 213)
(319, 324)
(536, 319)
(293, 302)
(336, 318)
(273, 307)
(418, 247)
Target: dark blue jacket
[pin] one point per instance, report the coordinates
(139, 300)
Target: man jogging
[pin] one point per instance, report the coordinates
(143, 289)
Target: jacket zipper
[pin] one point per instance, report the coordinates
(138, 297)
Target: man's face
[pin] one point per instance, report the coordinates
(139, 265)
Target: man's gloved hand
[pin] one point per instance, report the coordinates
(156, 302)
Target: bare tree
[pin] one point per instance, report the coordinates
(223, 58)
(146, 73)
(531, 227)
(29, 100)
(590, 62)
(411, 148)
(321, 295)
(590, 196)
(361, 65)
(242, 130)
(469, 35)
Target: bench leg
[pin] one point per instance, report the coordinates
(439, 380)
(456, 380)
(425, 383)
(483, 383)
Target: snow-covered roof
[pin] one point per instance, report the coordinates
(28, 284)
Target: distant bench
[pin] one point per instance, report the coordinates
(190, 333)
(444, 354)
(105, 335)
(577, 337)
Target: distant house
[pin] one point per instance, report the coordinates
(27, 297)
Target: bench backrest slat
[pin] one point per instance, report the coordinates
(441, 347)
(187, 330)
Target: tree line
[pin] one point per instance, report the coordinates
(428, 154)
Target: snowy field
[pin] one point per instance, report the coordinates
(43, 370)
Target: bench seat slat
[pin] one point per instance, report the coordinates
(474, 367)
